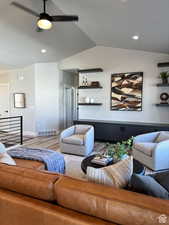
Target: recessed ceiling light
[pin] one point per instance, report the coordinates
(43, 50)
(135, 37)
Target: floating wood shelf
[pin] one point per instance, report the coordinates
(162, 105)
(163, 85)
(89, 87)
(92, 104)
(92, 70)
(165, 64)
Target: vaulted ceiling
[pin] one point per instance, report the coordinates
(102, 22)
(114, 22)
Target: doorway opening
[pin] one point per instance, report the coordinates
(70, 106)
(69, 98)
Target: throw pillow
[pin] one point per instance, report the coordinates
(5, 158)
(117, 175)
(81, 129)
(148, 185)
(162, 136)
(162, 178)
(2, 148)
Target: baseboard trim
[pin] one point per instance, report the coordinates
(48, 133)
(30, 134)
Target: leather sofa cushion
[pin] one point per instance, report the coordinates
(30, 182)
(31, 164)
(145, 147)
(76, 139)
(17, 209)
(112, 204)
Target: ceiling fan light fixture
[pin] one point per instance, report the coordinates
(44, 22)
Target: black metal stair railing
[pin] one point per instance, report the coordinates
(11, 131)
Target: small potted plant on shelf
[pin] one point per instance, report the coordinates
(164, 76)
(119, 150)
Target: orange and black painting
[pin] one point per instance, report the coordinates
(126, 91)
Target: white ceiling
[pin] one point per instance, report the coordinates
(114, 22)
(102, 22)
(21, 45)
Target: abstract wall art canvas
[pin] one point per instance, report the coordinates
(126, 91)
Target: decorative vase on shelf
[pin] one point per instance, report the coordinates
(86, 82)
(83, 82)
(165, 80)
(87, 100)
(91, 100)
(164, 98)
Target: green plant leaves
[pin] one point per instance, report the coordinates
(118, 150)
(164, 74)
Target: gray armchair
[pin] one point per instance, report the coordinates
(77, 140)
(151, 152)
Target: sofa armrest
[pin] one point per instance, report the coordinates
(149, 137)
(66, 133)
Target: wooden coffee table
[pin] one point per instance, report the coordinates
(137, 166)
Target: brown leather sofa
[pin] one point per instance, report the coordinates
(30, 164)
(34, 197)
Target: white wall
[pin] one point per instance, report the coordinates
(41, 87)
(27, 86)
(114, 60)
(47, 97)
(43, 84)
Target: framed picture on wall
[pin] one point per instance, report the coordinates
(19, 100)
(126, 91)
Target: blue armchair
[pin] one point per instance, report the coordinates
(77, 140)
(152, 150)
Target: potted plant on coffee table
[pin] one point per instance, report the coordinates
(120, 150)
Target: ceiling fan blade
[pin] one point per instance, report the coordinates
(64, 18)
(24, 8)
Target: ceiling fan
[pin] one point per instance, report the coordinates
(45, 21)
